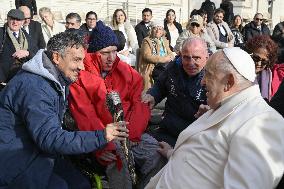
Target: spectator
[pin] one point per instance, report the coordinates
(155, 50)
(105, 72)
(143, 28)
(277, 101)
(49, 26)
(278, 37)
(255, 27)
(209, 7)
(236, 29)
(219, 31)
(203, 14)
(91, 21)
(16, 45)
(193, 12)
(120, 22)
(195, 28)
(172, 27)
(236, 144)
(181, 85)
(228, 7)
(33, 28)
(73, 20)
(263, 51)
(29, 3)
(32, 141)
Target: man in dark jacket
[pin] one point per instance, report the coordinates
(278, 37)
(228, 7)
(143, 28)
(33, 28)
(16, 46)
(255, 27)
(277, 101)
(32, 106)
(29, 3)
(181, 84)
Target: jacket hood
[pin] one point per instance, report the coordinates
(35, 66)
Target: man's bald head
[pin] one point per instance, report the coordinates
(27, 13)
(194, 55)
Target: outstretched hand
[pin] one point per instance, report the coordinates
(147, 98)
(164, 148)
(201, 110)
(116, 131)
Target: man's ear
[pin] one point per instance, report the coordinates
(231, 80)
(55, 58)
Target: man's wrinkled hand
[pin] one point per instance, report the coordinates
(20, 54)
(201, 110)
(164, 148)
(149, 99)
(116, 131)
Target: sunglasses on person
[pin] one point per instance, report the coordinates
(194, 25)
(257, 59)
(258, 19)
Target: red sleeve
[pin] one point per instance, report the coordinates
(82, 109)
(139, 113)
(277, 77)
(84, 112)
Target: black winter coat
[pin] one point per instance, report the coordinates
(184, 95)
(250, 31)
(7, 63)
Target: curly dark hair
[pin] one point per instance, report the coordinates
(263, 41)
(61, 41)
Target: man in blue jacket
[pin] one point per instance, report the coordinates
(180, 83)
(32, 106)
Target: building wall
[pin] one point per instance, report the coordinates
(105, 8)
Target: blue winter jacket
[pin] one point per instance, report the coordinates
(184, 95)
(31, 137)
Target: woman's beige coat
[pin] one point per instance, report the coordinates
(147, 60)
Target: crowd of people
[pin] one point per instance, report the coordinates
(222, 82)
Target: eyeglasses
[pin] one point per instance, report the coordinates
(91, 19)
(194, 25)
(258, 19)
(257, 59)
(27, 18)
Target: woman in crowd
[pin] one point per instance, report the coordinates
(120, 22)
(172, 27)
(195, 28)
(263, 51)
(155, 50)
(237, 29)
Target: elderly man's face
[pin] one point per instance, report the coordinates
(14, 24)
(108, 56)
(27, 14)
(214, 81)
(194, 57)
(258, 19)
(71, 62)
(72, 23)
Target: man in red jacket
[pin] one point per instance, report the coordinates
(105, 72)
